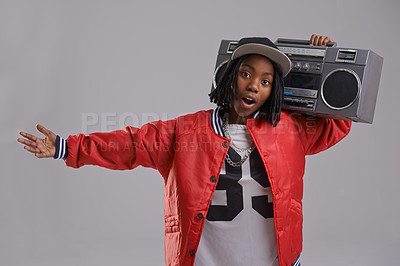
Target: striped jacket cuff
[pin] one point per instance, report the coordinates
(61, 148)
(297, 262)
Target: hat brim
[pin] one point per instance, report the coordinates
(273, 54)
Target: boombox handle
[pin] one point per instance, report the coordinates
(300, 42)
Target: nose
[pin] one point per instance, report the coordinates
(253, 86)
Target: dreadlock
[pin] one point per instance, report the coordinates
(227, 87)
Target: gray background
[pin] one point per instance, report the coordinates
(64, 61)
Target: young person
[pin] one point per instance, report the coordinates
(233, 176)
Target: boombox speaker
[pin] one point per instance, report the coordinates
(340, 83)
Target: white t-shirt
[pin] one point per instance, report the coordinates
(239, 228)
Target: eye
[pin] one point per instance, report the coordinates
(245, 74)
(265, 82)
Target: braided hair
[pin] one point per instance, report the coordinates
(226, 88)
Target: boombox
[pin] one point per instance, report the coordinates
(328, 81)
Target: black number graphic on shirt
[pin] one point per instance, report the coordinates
(260, 203)
(234, 190)
(234, 193)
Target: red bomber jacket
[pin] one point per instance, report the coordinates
(189, 155)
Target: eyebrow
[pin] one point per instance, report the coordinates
(252, 68)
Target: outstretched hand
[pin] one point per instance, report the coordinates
(319, 40)
(42, 148)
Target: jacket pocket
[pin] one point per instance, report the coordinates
(173, 240)
(172, 225)
(296, 206)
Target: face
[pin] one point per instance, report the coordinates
(254, 82)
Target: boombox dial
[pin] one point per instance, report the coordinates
(306, 67)
(297, 65)
(300, 66)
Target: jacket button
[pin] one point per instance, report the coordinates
(225, 144)
(191, 253)
(200, 216)
(213, 179)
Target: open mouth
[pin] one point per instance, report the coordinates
(248, 101)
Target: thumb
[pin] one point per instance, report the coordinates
(43, 130)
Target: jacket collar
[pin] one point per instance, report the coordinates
(216, 120)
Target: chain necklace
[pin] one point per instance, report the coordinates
(248, 149)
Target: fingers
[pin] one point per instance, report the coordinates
(32, 149)
(36, 148)
(319, 40)
(38, 153)
(27, 142)
(28, 136)
(30, 146)
(312, 39)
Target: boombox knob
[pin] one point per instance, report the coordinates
(297, 65)
(306, 66)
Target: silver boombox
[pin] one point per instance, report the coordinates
(328, 81)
